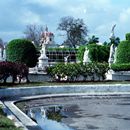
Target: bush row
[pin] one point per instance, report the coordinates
(15, 70)
(121, 67)
(73, 72)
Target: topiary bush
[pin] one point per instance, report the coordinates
(97, 53)
(23, 51)
(127, 36)
(123, 52)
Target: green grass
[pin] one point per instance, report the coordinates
(5, 123)
(33, 84)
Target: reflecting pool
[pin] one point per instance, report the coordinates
(82, 112)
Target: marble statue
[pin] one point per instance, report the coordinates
(86, 58)
(115, 55)
(66, 58)
(112, 36)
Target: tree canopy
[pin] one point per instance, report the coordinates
(33, 33)
(75, 29)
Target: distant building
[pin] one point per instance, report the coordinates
(48, 38)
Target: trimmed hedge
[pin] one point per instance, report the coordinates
(127, 36)
(123, 52)
(23, 51)
(97, 53)
(121, 67)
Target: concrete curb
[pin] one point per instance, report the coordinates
(40, 90)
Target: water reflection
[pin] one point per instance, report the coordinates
(40, 117)
(47, 124)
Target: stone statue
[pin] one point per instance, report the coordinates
(86, 58)
(112, 54)
(112, 36)
(115, 55)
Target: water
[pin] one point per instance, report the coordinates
(87, 113)
(47, 124)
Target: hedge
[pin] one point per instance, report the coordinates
(121, 67)
(72, 72)
(123, 52)
(23, 51)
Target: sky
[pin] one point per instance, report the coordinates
(98, 15)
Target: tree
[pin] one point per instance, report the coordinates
(75, 29)
(33, 33)
(22, 51)
(93, 40)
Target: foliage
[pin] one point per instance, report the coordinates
(123, 52)
(5, 123)
(71, 72)
(75, 30)
(127, 36)
(97, 53)
(93, 40)
(114, 41)
(121, 67)
(80, 53)
(23, 51)
(33, 33)
(14, 70)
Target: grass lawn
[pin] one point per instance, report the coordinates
(33, 84)
(5, 123)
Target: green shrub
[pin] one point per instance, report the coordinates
(123, 52)
(121, 67)
(74, 71)
(23, 51)
(80, 53)
(98, 53)
(5, 123)
(127, 36)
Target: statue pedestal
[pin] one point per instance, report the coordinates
(118, 76)
(43, 59)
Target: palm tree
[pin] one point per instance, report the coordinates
(93, 40)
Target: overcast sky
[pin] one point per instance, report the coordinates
(98, 15)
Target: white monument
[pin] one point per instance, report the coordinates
(86, 58)
(111, 55)
(47, 38)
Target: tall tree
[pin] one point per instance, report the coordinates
(75, 29)
(33, 33)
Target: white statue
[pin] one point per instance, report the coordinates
(112, 36)
(86, 58)
(112, 54)
(115, 55)
(66, 58)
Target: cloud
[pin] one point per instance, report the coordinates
(29, 17)
(98, 15)
(125, 16)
